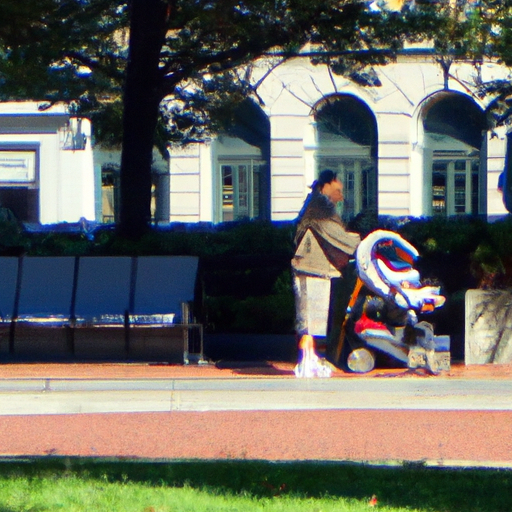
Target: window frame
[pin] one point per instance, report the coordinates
(23, 192)
(471, 176)
(254, 168)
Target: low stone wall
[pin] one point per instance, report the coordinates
(488, 329)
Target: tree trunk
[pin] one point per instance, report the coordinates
(142, 96)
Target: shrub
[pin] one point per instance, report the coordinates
(245, 266)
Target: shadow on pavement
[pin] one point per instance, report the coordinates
(250, 347)
(252, 368)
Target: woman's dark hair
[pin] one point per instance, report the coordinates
(326, 176)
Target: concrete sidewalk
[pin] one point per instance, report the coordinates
(30, 389)
(79, 396)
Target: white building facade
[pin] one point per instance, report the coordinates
(46, 164)
(417, 144)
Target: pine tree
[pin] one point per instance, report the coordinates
(174, 69)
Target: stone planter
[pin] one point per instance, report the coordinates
(488, 327)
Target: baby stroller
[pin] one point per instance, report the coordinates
(382, 314)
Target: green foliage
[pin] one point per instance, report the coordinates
(245, 267)
(458, 254)
(63, 51)
(364, 222)
(12, 236)
(57, 244)
(454, 235)
(256, 237)
(190, 65)
(268, 313)
(248, 238)
(76, 51)
(460, 248)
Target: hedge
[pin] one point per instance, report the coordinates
(245, 266)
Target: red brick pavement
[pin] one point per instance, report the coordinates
(443, 437)
(221, 370)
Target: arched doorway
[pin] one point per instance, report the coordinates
(347, 143)
(243, 158)
(455, 156)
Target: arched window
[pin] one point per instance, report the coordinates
(455, 155)
(242, 188)
(347, 144)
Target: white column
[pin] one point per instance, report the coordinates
(207, 186)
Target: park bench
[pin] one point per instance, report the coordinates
(89, 303)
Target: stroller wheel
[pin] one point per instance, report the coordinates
(361, 360)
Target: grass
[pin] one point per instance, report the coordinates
(76, 485)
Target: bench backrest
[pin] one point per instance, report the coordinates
(8, 280)
(103, 288)
(46, 287)
(163, 283)
(95, 288)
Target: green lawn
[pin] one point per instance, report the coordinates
(74, 485)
